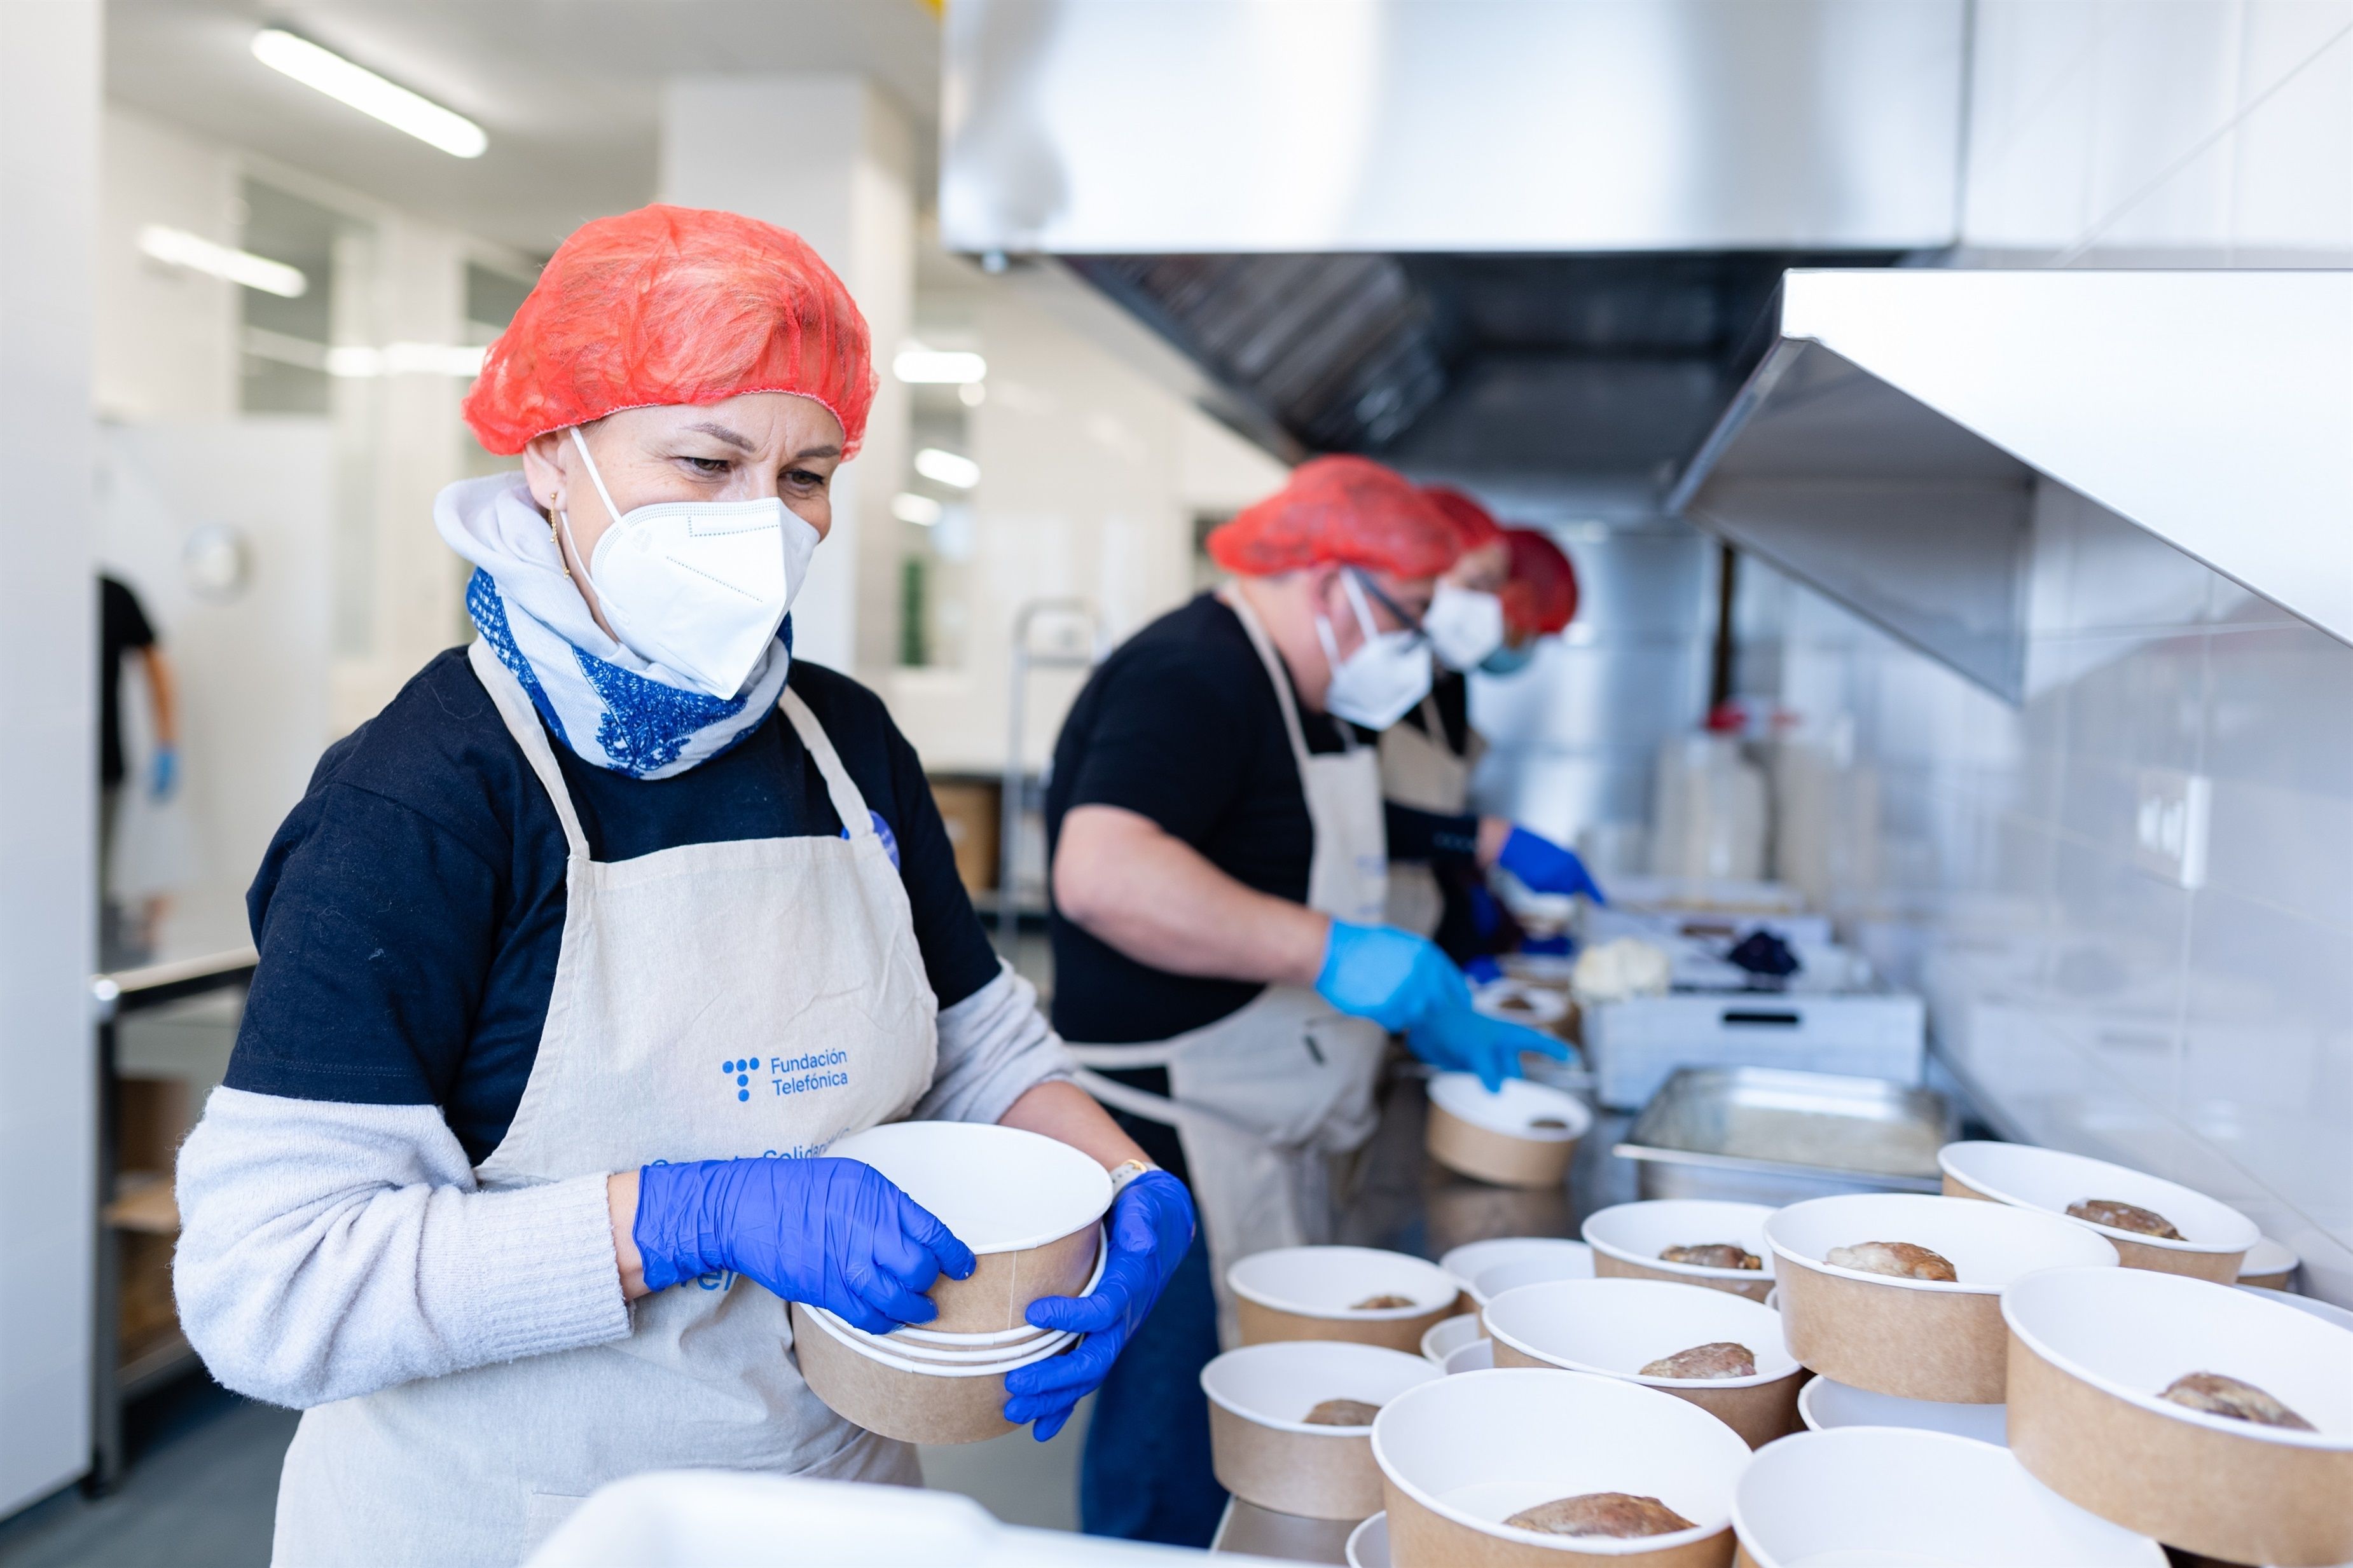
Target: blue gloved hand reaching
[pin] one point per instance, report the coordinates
(164, 773)
(1151, 1229)
(836, 1233)
(1462, 1039)
(1407, 986)
(1545, 867)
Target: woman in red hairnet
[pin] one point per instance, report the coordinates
(1219, 862)
(577, 957)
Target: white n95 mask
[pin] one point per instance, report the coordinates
(699, 586)
(1380, 684)
(1465, 625)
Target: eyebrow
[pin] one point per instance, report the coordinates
(738, 441)
(817, 452)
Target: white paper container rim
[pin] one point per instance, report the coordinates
(1463, 1095)
(2014, 1306)
(1053, 1344)
(1819, 1389)
(1544, 1268)
(1569, 1364)
(2033, 1217)
(1478, 1355)
(1956, 1160)
(1461, 1330)
(1601, 1241)
(1592, 1546)
(1085, 1201)
(2311, 1306)
(1259, 1419)
(1545, 1006)
(915, 1334)
(1473, 1259)
(1360, 1540)
(1429, 1301)
(2269, 1254)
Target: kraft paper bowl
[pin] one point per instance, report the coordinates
(1885, 1497)
(2216, 1236)
(1467, 1262)
(1026, 1204)
(1450, 1334)
(1478, 1355)
(1918, 1339)
(915, 1401)
(1628, 1238)
(2270, 1263)
(1368, 1543)
(921, 1339)
(1460, 1455)
(1615, 1327)
(1309, 1293)
(1825, 1404)
(1263, 1450)
(1522, 1135)
(2090, 1348)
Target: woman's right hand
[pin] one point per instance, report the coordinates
(836, 1233)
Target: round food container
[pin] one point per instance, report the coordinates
(1616, 1327)
(1627, 1239)
(921, 1339)
(1450, 1334)
(2091, 1352)
(1318, 1293)
(915, 1401)
(1825, 1404)
(1478, 1355)
(2216, 1236)
(1919, 1338)
(2270, 1263)
(1368, 1543)
(1261, 1444)
(1459, 1456)
(1888, 1498)
(1026, 1204)
(1535, 1270)
(2326, 1312)
(1517, 1001)
(1523, 1135)
(1467, 1262)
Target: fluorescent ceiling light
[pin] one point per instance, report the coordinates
(369, 93)
(937, 367)
(358, 361)
(178, 248)
(947, 469)
(909, 507)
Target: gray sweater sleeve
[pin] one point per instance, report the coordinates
(995, 1046)
(328, 1249)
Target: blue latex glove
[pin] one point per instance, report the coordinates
(1546, 868)
(1392, 977)
(836, 1233)
(165, 773)
(1151, 1228)
(1460, 1040)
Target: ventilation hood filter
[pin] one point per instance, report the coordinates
(1889, 447)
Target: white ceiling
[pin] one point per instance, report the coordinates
(568, 90)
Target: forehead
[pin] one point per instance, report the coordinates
(768, 420)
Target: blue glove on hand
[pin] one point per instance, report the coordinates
(1151, 1229)
(1546, 868)
(1460, 1040)
(165, 773)
(836, 1233)
(1390, 976)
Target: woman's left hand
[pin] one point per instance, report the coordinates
(1151, 1229)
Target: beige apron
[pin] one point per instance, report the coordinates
(1264, 1099)
(799, 953)
(1421, 769)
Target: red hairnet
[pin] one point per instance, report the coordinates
(674, 305)
(1541, 595)
(1348, 509)
(1475, 525)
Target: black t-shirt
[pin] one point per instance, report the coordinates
(410, 909)
(121, 629)
(1181, 725)
(1450, 693)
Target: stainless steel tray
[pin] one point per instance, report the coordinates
(1771, 1135)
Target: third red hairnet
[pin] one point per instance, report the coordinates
(1541, 597)
(1348, 509)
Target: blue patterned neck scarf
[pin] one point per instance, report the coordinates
(611, 708)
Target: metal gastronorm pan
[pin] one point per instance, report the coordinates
(1772, 1135)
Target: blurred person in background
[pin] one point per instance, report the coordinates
(1219, 875)
(577, 958)
(124, 629)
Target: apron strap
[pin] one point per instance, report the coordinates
(1281, 677)
(523, 722)
(847, 804)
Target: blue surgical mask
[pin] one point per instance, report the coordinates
(1509, 660)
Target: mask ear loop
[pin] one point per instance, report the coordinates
(604, 495)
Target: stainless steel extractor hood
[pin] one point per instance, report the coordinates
(1895, 443)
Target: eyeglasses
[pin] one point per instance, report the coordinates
(1411, 622)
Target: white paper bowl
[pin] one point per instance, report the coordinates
(915, 1401)
(1467, 1262)
(1368, 1543)
(1918, 1339)
(1892, 1497)
(1265, 1454)
(2271, 1263)
(1460, 1455)
(1541, 1005)
(1535, 1270)
(1450, 1334)
(2326, 1312)
(2090, 1348)
(1615, 1327)
(2217, 1235)
(1026, 1204)
(1497, 1137)
(1825, 1404)
(1628, 1238)
(918, 1340)
(1308, 1293)
(1478, 1355)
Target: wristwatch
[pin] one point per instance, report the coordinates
(1123, 1173)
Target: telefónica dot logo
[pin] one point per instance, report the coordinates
(741, 1071)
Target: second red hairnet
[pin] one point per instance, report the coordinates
(1347, 509)
(1540, 598)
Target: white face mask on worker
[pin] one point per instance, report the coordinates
(699, 586)
(1380, 684)
(1465, 625)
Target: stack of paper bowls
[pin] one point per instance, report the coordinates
(2214, 1237)
(1031, 1208)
